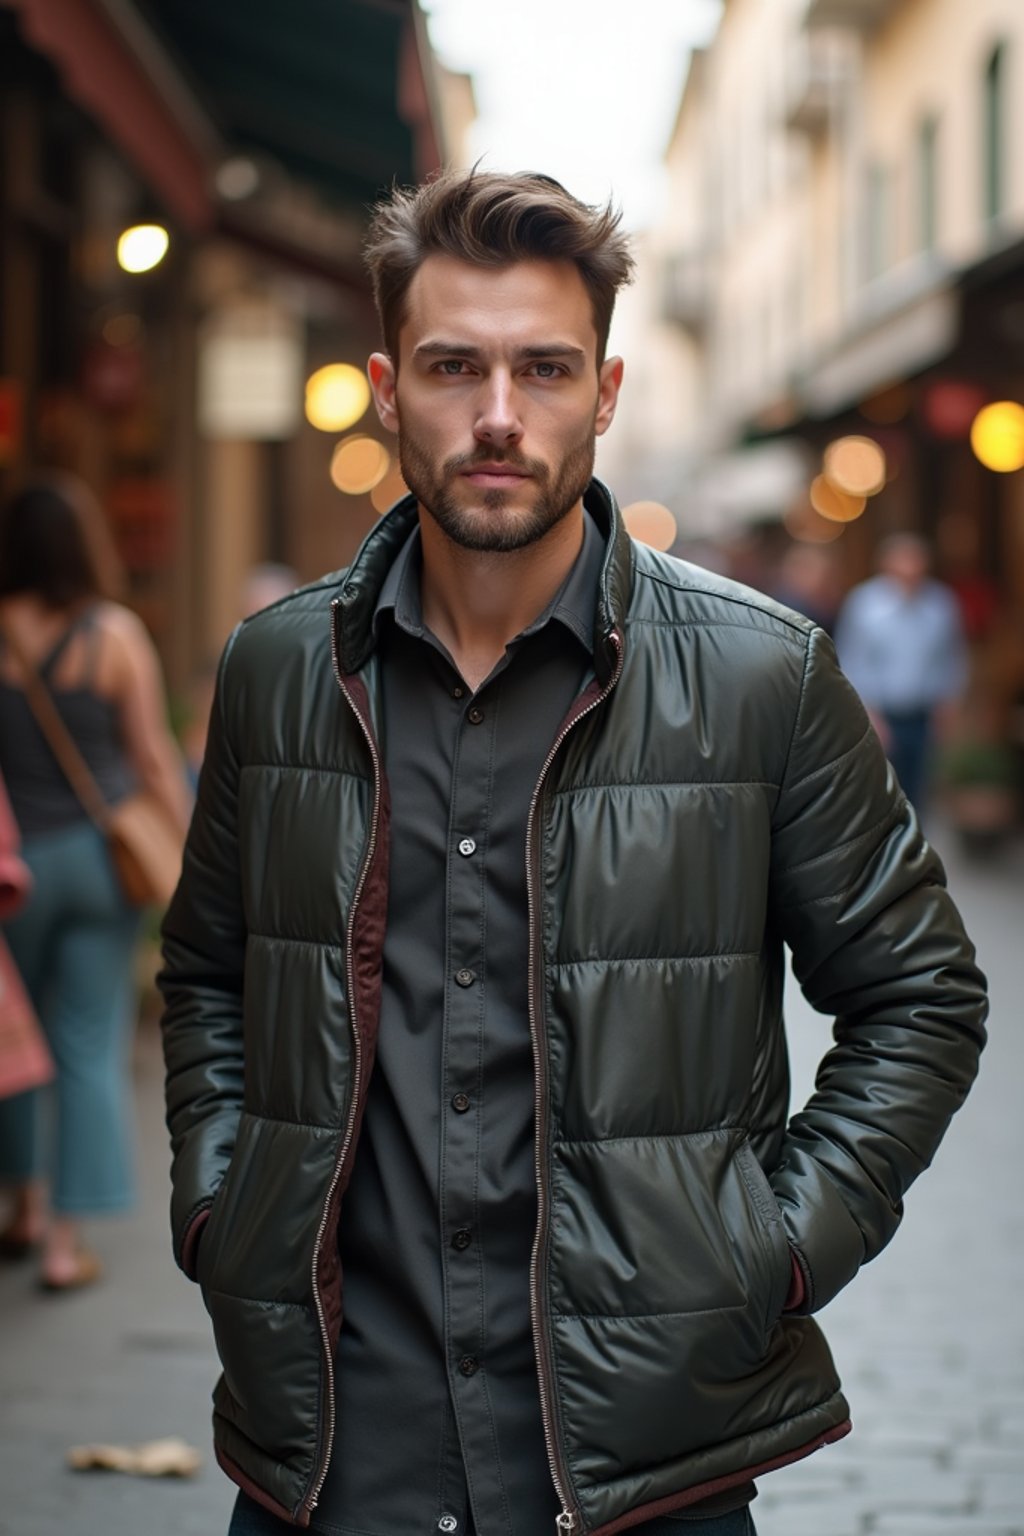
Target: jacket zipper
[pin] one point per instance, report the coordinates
(565, 1522)
(313, 1498)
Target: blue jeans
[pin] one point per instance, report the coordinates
(910, 740)
(74, 944)
(251, 1519)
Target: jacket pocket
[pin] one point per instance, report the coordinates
(771, 1231)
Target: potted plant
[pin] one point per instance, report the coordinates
(981, 789)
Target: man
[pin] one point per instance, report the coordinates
(901, 644)
(476, 1063)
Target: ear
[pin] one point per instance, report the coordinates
(609, 384)
(381, 373)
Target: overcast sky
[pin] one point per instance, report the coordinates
(585, 90)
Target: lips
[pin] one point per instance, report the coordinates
(495, 475)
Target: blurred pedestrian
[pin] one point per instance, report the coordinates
(74, 942)
(901, 643)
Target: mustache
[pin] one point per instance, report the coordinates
(507, 457)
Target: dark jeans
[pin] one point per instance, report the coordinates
(910, 740)
(251, 1519)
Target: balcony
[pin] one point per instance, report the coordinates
(684, 291)
(860, 15)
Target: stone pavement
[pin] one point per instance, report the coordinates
(929, 1340)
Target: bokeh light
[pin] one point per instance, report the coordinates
(997, 436)
(142, 247)
(336, 397)
(834, 504)
(358, 464)
(855, 466)
(650, 523)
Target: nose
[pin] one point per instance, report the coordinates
(498, 420)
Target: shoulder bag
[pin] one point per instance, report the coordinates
(144, 842)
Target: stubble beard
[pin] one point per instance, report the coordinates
(486, 526)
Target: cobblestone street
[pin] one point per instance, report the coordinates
(929, 1340)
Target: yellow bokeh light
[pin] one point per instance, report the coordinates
(358, 464)
(391, 489)
(997, 436)
(336, 397)
(650, 523)
(855, 466)
(828, 500)
(142, 247)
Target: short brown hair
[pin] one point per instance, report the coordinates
(491, 218)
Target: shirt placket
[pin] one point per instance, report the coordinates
(464, 1105)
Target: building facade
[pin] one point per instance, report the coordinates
(841, 252)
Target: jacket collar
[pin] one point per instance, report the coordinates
(354, 607)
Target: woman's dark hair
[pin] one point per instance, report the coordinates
(55, 542)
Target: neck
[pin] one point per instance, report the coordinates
(476, 601)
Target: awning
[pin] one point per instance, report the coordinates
(746, 485)
(325, 87)
(337, 92)
(896, 346)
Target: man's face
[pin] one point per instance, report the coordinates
(497, 399)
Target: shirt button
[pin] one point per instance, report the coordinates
(474, 715)
(468, 1365)
(466, 847)
(462, 1238)
(460, 1103)
(457, 693)
(465, 978)
(447, 1523)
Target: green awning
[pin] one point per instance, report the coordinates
(314, 84)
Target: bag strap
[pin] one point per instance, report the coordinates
(62, 744)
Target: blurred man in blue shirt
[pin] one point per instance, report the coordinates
(901, 643)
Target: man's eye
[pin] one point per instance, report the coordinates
(546, 370)
(452, 366)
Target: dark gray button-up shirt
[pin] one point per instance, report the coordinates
(438, 1409)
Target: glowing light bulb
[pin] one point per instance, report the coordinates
(142, 247)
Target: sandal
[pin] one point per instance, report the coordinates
(87, 1271)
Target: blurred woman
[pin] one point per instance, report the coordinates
(74, 942)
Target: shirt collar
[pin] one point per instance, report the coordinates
(574, 604)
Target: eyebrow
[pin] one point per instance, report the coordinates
(556, 349)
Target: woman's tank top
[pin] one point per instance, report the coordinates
(40, 795)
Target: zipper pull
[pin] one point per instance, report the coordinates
(564, 1522)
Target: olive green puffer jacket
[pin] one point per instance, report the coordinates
(715, 794)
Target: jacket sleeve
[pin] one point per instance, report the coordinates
(201, 981)
(861, 900)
